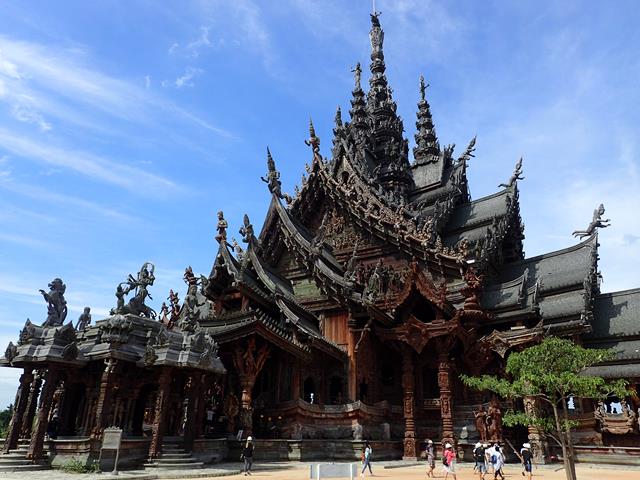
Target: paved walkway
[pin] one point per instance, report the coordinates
(300, 471)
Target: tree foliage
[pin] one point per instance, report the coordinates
(553, 372)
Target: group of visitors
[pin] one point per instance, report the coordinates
(485, 456)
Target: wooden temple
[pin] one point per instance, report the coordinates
(350, 316)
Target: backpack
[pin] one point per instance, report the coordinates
(444, 461)
(478, 454)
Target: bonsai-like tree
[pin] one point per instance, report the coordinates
(552, 372)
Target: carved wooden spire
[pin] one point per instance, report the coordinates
(427, 149)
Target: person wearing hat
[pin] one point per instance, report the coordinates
(431, 458)
(479, 458)
(525, 458)
(247, 456)
(449, 461)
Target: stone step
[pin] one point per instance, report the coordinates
(4, 460)
(188, 459)
(167, 456)
(175, 466)
(28, 467)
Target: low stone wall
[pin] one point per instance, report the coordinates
(210, 450)
(305, 450)
(604, 454)
(133, 452)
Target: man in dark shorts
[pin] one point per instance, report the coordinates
(525, 456)
(479, 458)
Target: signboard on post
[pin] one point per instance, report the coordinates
(111, 439)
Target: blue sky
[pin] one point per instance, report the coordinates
(125, 126)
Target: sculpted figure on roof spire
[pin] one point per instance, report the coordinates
(517, 175)
(596, 222)
(273, 179)
(222, 228)
(139, 285)
(376, 35)
(246, 230)
(56, 303)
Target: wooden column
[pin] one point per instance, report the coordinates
(249, 362)
(295, 381)
(193, 407)
(162, 404)
(32, 406)
(408, 392)
(201, 406)
(19, 407)
(444, 382)
(537, 438)
(104, 404)
(42, 419)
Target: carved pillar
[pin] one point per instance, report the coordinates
(444, 382)
(162, 404)
(32, 405)
(295, 381)
(249, 362)
(408, 392)
(105, 394)
(193, 407)
(42, 419)
(201, 405)
(19, 407)
(537, 438)
(246, 409)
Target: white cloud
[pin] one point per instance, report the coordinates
(147, 81)
(25, 114)
(23, 240)
(202, 41)
(186, 80)
(88, 164)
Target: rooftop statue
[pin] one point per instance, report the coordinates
(246, 230)
(139, 285)
(313, 141)
(596, 222)
(222, 228)
(376, 35)
(357, 74)
(57, 305)
(517, 175)
(273, 179)
(84, 320)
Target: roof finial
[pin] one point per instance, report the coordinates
(313, 141)
(517, 175)
(338, 118)
(423, 88)
(273, 179)
(357, 71)
(596, 222)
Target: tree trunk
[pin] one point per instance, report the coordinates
(572, 458)
(569, 472)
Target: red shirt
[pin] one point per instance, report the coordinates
(450, 455)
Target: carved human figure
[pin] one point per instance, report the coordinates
(517, 175)
(357, 73)
(231, 409)
(596, 222)
(139, 284)
(481, 423)
(84, 320)
(57, 305)
(246, 230)
(221, 228)
(494, 420)
(376, 35)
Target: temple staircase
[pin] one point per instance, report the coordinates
(174, 457)
(16, 460)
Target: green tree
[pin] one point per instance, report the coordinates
(552, 372)
(5, 419)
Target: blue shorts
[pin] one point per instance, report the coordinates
(481, 466)
(527, 467)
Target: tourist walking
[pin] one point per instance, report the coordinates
(247, 456)
(525, 458)
(499, 463)
(491, 457)
(366, 459)
(480, 459)
(430, 455)
(449, 461)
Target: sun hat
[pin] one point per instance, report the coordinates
(429, 441)
(478, 445)
(526, 445)
(249, 439)
(448, 445)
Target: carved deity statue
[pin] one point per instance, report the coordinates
(494, 420)
(246, 230)
(376, 35)
(84, 320)
(273, 179)
(357, 72)
(222, 228)
(596, 222)
(313, 141)
(481, 423)
(517, 175)
(139, 285)
(57, 305)
(231, 409)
